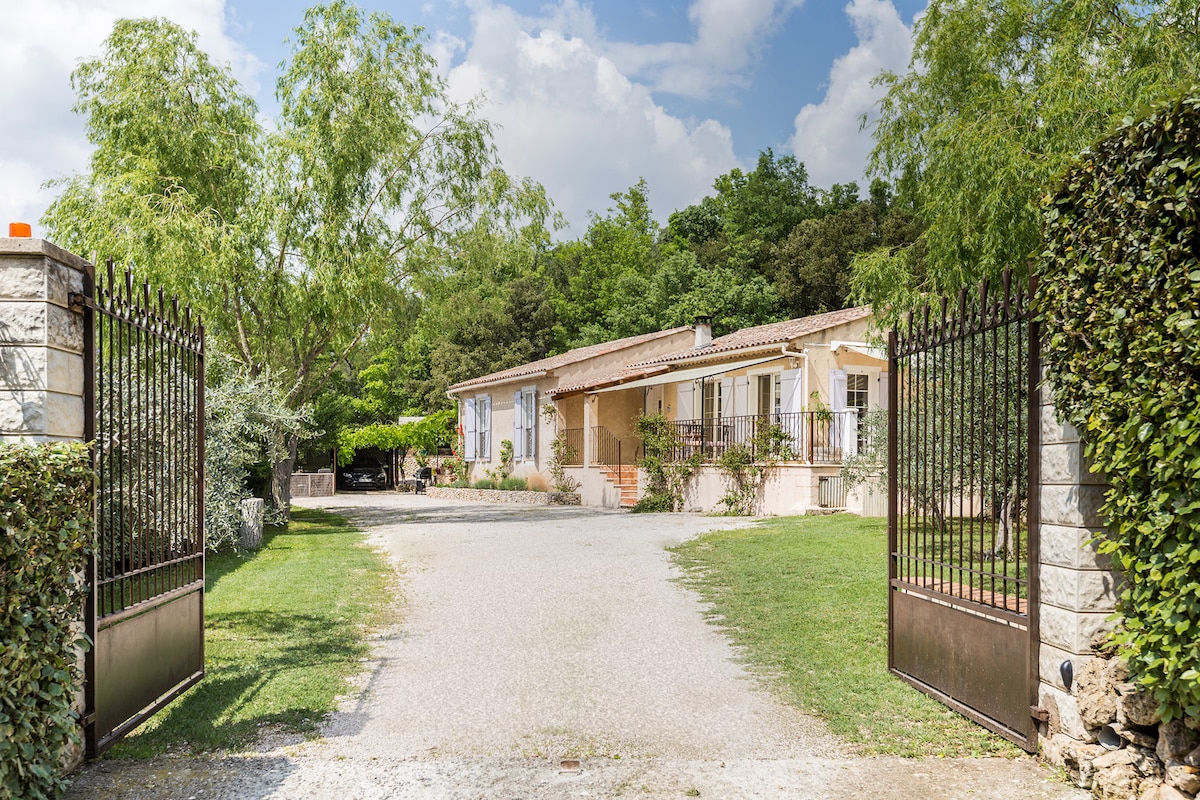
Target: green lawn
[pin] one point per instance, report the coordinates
(807, 599)
(285, 628)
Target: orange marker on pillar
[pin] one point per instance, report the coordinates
(19, 230)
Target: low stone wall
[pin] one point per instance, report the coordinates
(500, 496)
(1127, 752)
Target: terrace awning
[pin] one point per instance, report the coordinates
(694, 374)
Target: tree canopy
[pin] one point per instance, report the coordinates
(998, 99)
(292, 241)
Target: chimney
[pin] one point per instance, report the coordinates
(703, 328)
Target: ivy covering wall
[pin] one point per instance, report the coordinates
(45, 538)
(1120, 298)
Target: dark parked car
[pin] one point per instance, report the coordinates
(364, 473)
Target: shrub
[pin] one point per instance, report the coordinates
(462, 483)
(46, 536)
(537, 483)
(485, 483)
(1118, 286)
(513, 485)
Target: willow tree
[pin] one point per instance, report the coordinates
(289, 237)
(1000, 96)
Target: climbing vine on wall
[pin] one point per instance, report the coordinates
(1119, 295)
(45, 538)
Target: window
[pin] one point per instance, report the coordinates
(712, 400)
(856, 397)
(769, 395)
(525, 424)
(856, 393)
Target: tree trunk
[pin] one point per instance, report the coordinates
(281, 477)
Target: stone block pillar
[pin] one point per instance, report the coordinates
(1077, 584)
(41, 342)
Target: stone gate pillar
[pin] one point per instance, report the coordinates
(41, 342)
(1077, 584)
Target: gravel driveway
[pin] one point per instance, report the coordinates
(531, 636)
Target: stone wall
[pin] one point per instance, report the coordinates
(1097, 725)
(501, 496)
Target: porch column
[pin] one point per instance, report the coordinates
(41, 342)
(1077, 584)
(589, 420)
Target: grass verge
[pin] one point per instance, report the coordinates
(806, 598)
(285, 629)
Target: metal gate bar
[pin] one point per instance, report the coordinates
(144, 390)
(963, 513)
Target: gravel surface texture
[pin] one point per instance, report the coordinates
(531, 636)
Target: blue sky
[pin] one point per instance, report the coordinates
(588, 96)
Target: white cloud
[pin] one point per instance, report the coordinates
(40, 138)
(570, 118)
(827, 137)
(729, 37)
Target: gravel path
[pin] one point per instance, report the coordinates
(535, 635)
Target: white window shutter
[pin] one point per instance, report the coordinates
(849, 433)
(884, 388)
(741, 396)
(485, 427)
(518, 439)
(791, 392)
(531, 424)
(684, 409)
(837, 389)
(468, 423)
(727, 397)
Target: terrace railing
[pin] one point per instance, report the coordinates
(810, 437)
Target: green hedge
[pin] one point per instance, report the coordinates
(1120, 298)
(45, 538)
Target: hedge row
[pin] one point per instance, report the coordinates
(1120, 294)
(45, 538)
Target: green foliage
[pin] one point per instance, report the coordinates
(666, 477)
(998, 99)
(46, 534)
(484, 483)
(245, 420)
(871, 460)
(561, 452)
(747, 466)
(1119, 280)
(426, 434)
(511, 484)
(502, 470)
(290, 237)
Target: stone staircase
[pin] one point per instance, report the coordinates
(625, 478)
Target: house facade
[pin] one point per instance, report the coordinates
(803, 386)
(509, 405)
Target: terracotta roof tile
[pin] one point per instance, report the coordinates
(773, 333)
(563, 359)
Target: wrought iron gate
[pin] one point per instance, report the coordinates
(145, 390)
(963, 533)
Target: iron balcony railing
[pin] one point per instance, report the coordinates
(810, 437)
(573, 454)
(606, 447)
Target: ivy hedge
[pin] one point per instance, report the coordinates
(45, 538)
(1119, 294)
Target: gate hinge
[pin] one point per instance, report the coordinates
(76, 301)
(87, 719)
(1039, 713)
